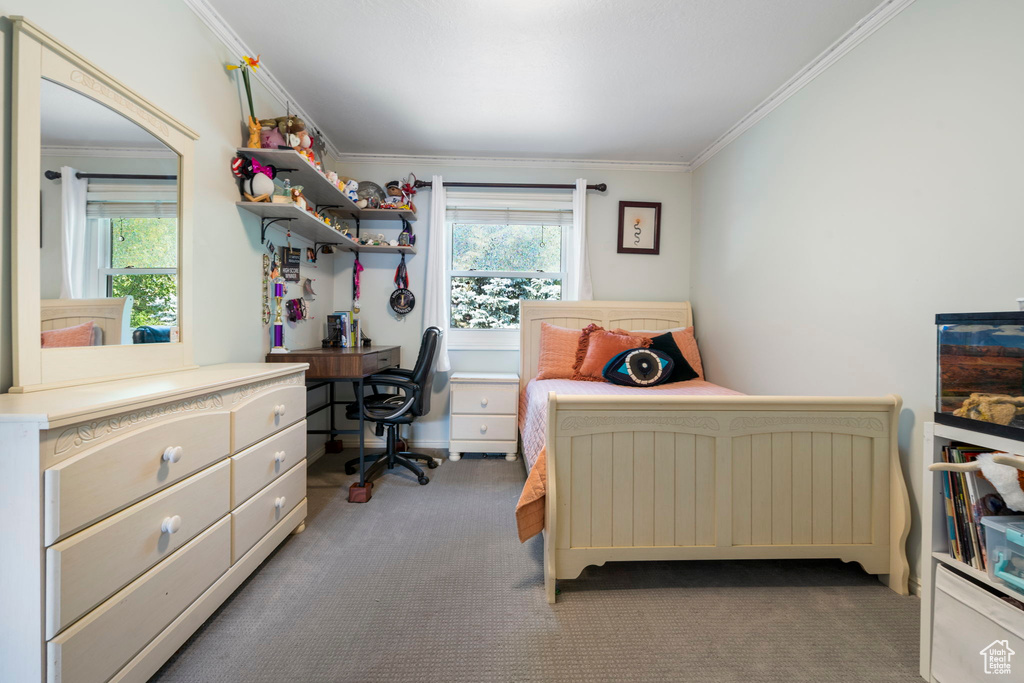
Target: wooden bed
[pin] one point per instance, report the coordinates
(713, 477)
(112, 316)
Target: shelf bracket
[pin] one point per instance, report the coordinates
(318, 248)
(266, 223)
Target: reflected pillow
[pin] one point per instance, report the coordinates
(76, 335)
(639, 368)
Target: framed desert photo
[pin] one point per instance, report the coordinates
(639, 227)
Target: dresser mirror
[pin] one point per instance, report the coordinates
(101, 216)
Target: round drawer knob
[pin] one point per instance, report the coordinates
(279, 457)
(279, 410)
(483, 402)
(279, 502)
(172, 454)
(171, 525)
(483, 429)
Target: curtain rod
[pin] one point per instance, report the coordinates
(55, 175)
(600, 187)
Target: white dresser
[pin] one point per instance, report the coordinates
(484, 414)
(132, 509)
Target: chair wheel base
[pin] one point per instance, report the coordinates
(360, 494)
(424, 480)
(432, 464)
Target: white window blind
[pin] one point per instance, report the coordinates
(509, 208)
(135, 200)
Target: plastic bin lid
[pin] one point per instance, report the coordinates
(1003, 522)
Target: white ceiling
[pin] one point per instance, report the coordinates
(638, 80)
(70, 119)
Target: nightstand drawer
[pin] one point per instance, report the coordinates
(485, 399)
(483, 427)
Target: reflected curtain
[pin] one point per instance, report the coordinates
(80, 253)
(437, 297)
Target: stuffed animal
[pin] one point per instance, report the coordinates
(271, 138)
(299, 198)
(351, 190)
(257, 179)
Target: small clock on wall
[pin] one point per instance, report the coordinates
(639, 227)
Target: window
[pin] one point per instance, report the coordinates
(143, 260)
(497, 258)
(137, 229)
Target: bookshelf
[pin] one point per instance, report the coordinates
(935, 551)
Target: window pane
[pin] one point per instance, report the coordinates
(491, 303)
(507, 247)
(143, 243)
(156, 297)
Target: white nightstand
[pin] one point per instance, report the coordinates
(484, 414)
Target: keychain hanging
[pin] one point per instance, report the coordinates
(402, 300)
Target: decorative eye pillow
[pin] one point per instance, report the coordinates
(639, 368)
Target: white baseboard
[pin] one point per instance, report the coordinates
(914, 585)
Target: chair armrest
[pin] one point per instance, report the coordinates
(406, 387)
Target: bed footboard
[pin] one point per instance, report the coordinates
(726, 477)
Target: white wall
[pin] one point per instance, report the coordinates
(616, 276)
(161, 49)
(888, 190)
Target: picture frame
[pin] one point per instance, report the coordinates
(639, 228)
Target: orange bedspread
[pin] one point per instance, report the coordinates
(530, 508)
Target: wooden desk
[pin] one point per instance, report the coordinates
(342, 364)
(330, 366)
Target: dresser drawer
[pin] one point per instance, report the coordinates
(95, 647)
(92, 565)
(251, 521)
(483, 427)
(265, 414)
(258, 465)
(108, 478)
(485, 399)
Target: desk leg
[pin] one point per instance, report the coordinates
(362, 432)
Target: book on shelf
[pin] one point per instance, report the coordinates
(968, 497)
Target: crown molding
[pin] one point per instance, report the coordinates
(107, 152)
(223, 31)
(513, 162)
(877, 18)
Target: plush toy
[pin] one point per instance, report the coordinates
(257, 179)
(271, 138)
(351, 191)
(286, 125)
(332, 178)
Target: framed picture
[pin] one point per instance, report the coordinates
(639, 227)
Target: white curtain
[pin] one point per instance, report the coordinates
(80, 254)
(436, 297)
(580, 287)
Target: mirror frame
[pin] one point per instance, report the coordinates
(38, 56)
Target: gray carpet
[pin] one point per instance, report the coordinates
(429, 583)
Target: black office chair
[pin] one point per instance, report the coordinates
(389, 410)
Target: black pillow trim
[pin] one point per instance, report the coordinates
(681, 368)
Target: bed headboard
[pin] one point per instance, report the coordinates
(629, 315)
(113, 316)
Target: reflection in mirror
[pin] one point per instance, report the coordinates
(109, 234)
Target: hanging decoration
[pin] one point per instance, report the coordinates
(266, 289)
(357, 268)
(402, 300)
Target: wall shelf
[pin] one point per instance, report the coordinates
(317, 188)
(304, 224)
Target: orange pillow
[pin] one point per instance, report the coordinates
(557, 352)
(76, 335)
(684, 339)
(597, 347)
